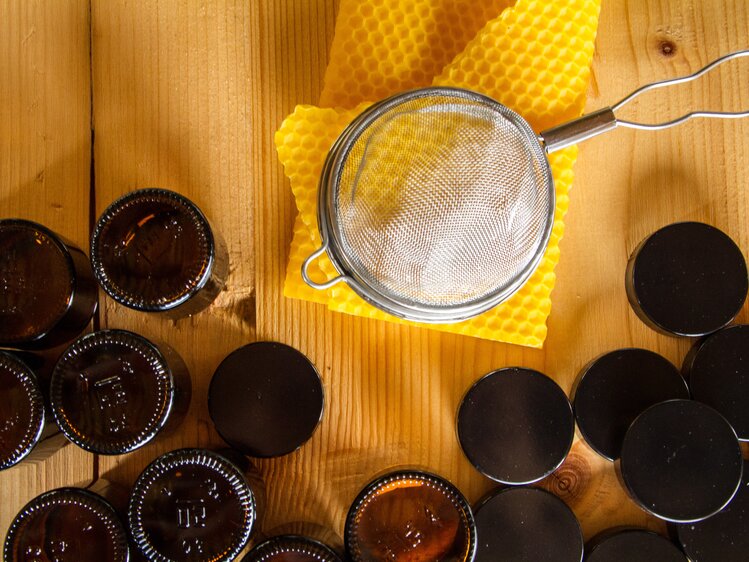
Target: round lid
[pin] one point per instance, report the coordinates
(111, 392)
(152, 249)
(527, 525)
(265, 399)
(724, 537)
(37, 279)
(515, 425)
(681, 461)
(687, 279)
(410, 516)
(291, 548)
(67, 525)
(616, 388)
(191, 505)
(718, 373)
(22, 414)
(633, 545)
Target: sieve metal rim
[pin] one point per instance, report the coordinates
(331, 237)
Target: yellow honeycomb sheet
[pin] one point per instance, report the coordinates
(534, 58)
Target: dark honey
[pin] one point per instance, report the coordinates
(154, 250)
(291, 548)
(47, 290)
(67, 525)
(113, 391)
(410, 517)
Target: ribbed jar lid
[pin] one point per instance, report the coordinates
(410, 515)
(22, 414)
(152, 249)
(632, 545)
(291, 548)
(515, 425)
(111, 392)
(191, 505)
(69, 522)
(37, 277)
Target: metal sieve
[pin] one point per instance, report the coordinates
(437, 204)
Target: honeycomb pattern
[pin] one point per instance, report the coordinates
(386, 46)
(535, 59)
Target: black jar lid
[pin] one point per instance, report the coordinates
(37, 277)
(22, 413)
(724, 537)
(266, 399)
(527, 525)
(410, 515)
(111, 392)
(681, 461)
(632, 545)
(152, 250)
(687, 279)
(515, 425)
(718, 373)
(69, 522)
(191, 504)
(291, 548)
(616, 388)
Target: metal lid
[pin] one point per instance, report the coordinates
(37, 277)
(681, 461)
(515, 425)
(616, 388)
(527, 524)
(191, 505)
(723, 537)
(152, 249)
(111, 392)
(291, 548)
(687, 279)
(410, 515)
(22, 415)
(266, 399)
(632, 545)
(67, 524)
(718, 373)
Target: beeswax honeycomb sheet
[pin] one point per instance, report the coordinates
(534, 58)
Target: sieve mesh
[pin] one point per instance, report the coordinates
(440, 198)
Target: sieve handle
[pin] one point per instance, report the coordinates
(605, 119)
(319, 286)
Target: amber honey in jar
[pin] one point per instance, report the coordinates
(154, 250)
(113, 391)
(410, 516)
(47, 290)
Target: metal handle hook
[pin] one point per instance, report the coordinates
(305, 275)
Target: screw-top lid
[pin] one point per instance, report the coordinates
(152, 249)
(22, 413)
(111, 392)
(632, 545)
(37, 280)
(724, 537)
(527, 524)
(410, 515)
(515, 425)
(687, 279)
(616, 388)
(67, 524)
(681, 461)
(266, 399)
(718, 373)
(291, 548)
(191, 505)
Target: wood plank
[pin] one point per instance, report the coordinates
(171, 84)
(45, 145)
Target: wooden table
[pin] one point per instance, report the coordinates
(99, 97)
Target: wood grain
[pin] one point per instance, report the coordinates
(45, 151)
(187, 96)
